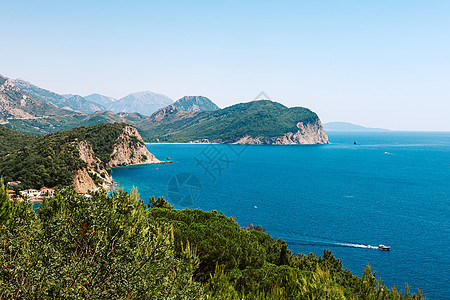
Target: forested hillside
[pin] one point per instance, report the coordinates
(11, 140)
(257, 118)
(53, 160)
(195, 103)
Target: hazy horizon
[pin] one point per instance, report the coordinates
(383, 64)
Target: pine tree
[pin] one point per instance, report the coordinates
(5, 204)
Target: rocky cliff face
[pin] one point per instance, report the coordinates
(307, 134)
(94, 176)
(83, 182)
(129, 148)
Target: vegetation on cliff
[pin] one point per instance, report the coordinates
(113, 246)
(53, 160)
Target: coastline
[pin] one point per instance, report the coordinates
(236, 144)
(183, 144)
(161, 162)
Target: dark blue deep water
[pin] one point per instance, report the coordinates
(392, 189)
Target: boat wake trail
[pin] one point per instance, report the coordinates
(298, 238)
(358, 246)
(329, 244)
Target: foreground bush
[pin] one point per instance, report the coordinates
(99, 247)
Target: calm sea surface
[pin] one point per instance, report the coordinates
(392, 189)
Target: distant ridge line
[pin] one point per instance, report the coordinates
(346, 126)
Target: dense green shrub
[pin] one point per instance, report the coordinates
(92, 248)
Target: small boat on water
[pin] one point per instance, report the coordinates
(355, 143)
(383, 247)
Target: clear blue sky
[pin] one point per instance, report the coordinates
(374, 63)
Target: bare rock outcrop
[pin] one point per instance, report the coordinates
(83, 182)
(130, 149)
(11, 102)
(307, 134)
(94, 176)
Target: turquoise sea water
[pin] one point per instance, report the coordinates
(392, 189)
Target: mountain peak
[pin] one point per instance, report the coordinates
(144, 102)
(195, 103)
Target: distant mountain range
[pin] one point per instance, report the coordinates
(144, 103)
(46, 111)
(75, 103)
(345, 126)
(25, 113)
(30, 109)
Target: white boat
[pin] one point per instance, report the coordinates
(383, 247)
